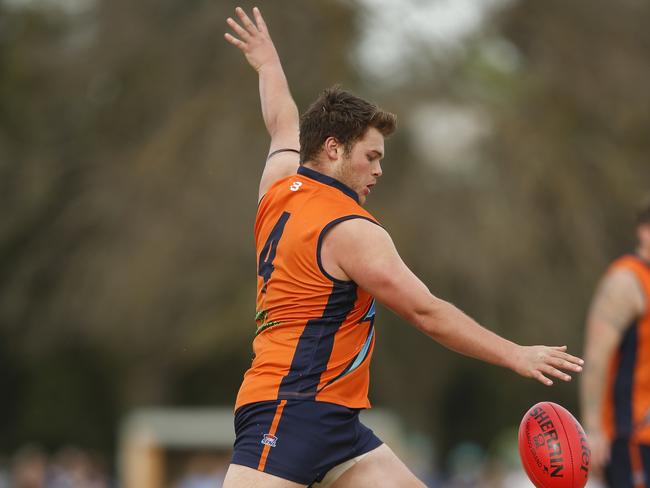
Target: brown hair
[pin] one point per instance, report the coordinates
(339, 114)
(643, 213)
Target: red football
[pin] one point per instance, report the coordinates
(553, 447)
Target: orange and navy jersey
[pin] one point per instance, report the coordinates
(315, 333)
(626, 412)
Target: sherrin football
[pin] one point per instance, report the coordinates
(553, 447)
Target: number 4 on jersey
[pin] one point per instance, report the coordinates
(265, 265)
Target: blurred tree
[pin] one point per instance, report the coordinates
(518, 236)
(131, 144)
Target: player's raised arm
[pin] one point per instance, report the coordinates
(374, 264)
(278, 108)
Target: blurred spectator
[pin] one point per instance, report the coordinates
(4, 474)
(68, 468)
(466, 466)
(74, 468)
(29, 468)
(204, 471)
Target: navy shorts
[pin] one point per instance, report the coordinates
(299, 440)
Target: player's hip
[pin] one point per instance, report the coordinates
(299, 440)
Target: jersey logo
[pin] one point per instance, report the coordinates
(270, 440)
(262, 323)
(295, 186)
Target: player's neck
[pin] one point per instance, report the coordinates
(321, 168)
(644, 253)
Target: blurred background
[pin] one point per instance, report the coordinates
(131, 143)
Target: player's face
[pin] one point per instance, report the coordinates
(361, 168)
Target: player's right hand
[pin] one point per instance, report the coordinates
(540, 362)
(252, 39)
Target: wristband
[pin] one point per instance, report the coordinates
(281, 150)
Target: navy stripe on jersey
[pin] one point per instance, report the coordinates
(618, 471)
(328, 180)
(645, 460)
(624, 382)
(357, 361)
(363, 353)
(316, 343)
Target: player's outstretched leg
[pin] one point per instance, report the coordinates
(380, 468)
(245, 477)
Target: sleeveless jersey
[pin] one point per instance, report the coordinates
(626, 412)
(315, 333)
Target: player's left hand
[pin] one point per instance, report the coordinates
(540, 362)
(253, 39)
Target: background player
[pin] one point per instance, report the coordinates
(360, 251)
(615, 388)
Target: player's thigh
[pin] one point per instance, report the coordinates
(380, 468)
(244, 477)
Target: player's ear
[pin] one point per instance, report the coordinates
(332, 148)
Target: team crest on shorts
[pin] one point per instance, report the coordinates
(270, 440)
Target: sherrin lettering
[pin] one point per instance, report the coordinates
(553, 447)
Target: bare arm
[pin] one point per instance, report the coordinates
(618, 300)
(374, 264)
(278, 108)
